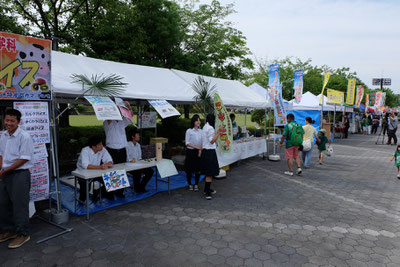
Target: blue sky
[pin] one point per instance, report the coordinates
(361, 34)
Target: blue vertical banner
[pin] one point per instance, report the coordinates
(279, 108)
(273, 82)
(298, 86)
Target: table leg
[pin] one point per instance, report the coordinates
(87, 199)
(75, 194)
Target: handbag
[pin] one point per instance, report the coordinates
(306, 145)
(329, 150)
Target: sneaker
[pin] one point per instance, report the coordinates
(196, 187)
(398, 177)
(7, 236)
(288, 173)
(19, 241)
(190, 187)
(211, 192)
(320, 163)
(299, 170)
(208, 196)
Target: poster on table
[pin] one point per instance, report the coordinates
(298, 86)
(164, 108)
(123, 108)
(35, 120)
(25, 67)
(334, 97)
(273, 81)
(148, 120)
(166, 168)
(104, 108)
(225, 139)
(326, 80)
(351, 89)
(114, 180)
(359, 95)
(279, 108)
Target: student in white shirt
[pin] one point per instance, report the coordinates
(16, 154)
(94, 156)
(116, 141)
(193, 152)
(134, 154)
(209, 161)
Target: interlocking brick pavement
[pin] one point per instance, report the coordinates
(343, 213)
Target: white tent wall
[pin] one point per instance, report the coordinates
(232, 93)
(145, 82)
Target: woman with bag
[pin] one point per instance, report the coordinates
(308, 141)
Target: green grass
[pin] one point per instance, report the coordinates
(91, 120)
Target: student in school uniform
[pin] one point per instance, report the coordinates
(209, 161)
(134, 154)
(16, 155)
(116, 141)
(193, 152)
(95, 157)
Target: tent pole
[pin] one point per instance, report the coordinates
(54, 150)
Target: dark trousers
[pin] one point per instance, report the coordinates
(118, 156)
(14, 202)
(392, 134)
(189, 178)
(374, 128)
(82, 189)
(139, 183)
(346, 131)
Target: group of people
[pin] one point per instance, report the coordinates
(301, 138)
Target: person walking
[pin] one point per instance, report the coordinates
(193, 152)
(364, 125)
(346, 124)
(392, 128)
(322, 144)
(396, 157)
(293, 135)
(375, 124)
(308, 141)
(209, 160)
(385, 124)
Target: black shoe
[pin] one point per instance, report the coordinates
(208, 196)
(96, 194)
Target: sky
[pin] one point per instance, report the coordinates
(361, 34)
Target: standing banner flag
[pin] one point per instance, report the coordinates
(104, 108)
(273, 81)
(225, 139)
(326, 80)
(359, 95)
(298, 85)
(383, 99)
(24, 67)
(351, 89)
(372, 98)
(366, 100)
(335, 97)
(378, 99)
(279, 108)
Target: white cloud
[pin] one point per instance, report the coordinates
(361, 34)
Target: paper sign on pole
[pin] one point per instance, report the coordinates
(335, 97)
(35, 120)
(351, 89)
(225, 139)
(359, 95)
(115, 180)
(164, 108)
(125, 110)
(24, 67)
(166, 168)
(298, 85)
(148, 120)
(104, 108)
(39, 180)
(326, 80)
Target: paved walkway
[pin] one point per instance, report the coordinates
(344, 213)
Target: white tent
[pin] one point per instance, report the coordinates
(232, 93)
(259, 90)
(308, 102)
(145, 82)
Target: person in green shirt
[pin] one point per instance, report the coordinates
(396, 157)
(364, 124)
(322, 144)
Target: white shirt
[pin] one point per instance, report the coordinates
(88, 156)
(133, 151)
(15, 147)
(115, 133)
(208, 134)
(193, 137)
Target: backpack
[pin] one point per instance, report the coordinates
(296, 134)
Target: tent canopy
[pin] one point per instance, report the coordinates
(308, 102)
(145, 82)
